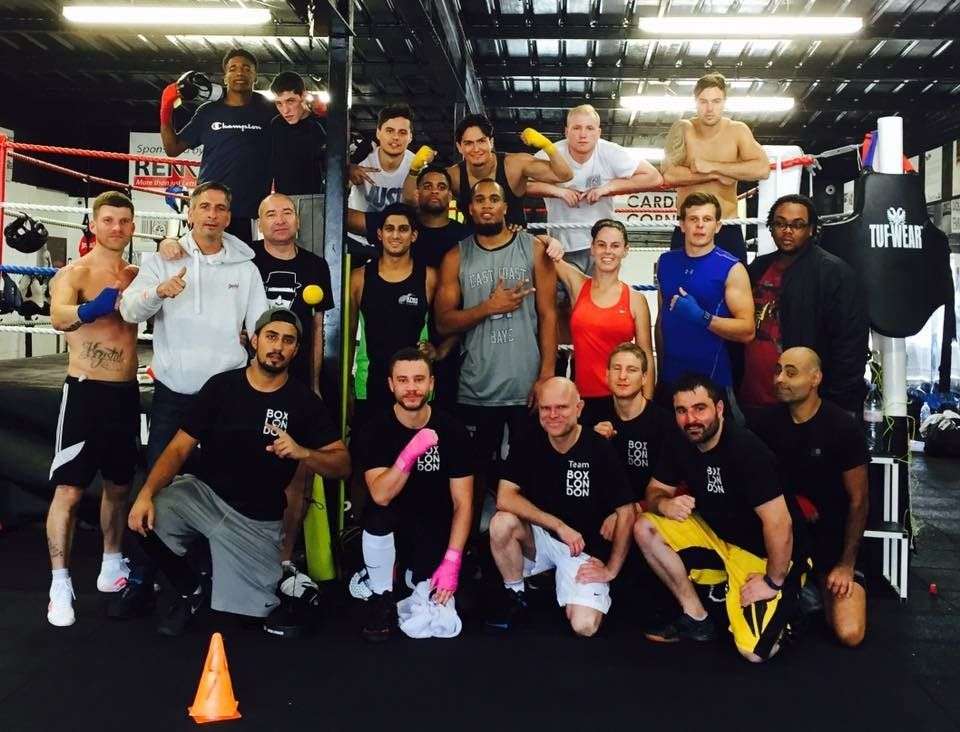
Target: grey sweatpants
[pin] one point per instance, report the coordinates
(245, 553)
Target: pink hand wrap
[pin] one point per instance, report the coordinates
(447, 574)
(418, 445)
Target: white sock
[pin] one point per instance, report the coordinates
(516, 586)
(379, 555)
(60, 575)
(113, 559)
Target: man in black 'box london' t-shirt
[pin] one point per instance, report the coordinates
(734, 507)
(557, 487)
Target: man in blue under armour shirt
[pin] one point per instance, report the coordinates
(704, 300)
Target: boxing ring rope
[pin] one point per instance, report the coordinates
(94, 178)
(103, 154)
(53, 208)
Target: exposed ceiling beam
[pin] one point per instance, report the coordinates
(544, 27)
(547, 27)
(575, 69)
(839, 102)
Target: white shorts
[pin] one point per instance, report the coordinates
(550, 554)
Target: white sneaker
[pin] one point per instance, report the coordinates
(60, 610)
(359, 586)
(113, 578)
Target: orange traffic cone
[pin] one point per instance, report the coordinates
(215, 701)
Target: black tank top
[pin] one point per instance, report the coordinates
(515, 212)
(393, 316)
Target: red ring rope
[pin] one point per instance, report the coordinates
(86, 176)
(79, 152)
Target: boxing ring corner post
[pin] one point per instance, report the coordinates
(3, 185)
(893, 351)
(339, 80)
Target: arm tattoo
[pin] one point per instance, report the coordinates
(73, 326)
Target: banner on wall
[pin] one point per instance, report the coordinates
(933, 174)
(647, 206)
(157, 176)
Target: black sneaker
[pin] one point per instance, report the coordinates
(381, 618)
(133, 601)
(683, 628)
(511, 610)
(180, 614)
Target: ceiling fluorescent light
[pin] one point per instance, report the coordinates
(751, 26)
(679, 105)
(164, 15)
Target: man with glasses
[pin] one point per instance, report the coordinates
(804, 296)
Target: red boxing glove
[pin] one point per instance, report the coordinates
(168, 101)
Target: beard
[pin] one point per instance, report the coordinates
(709, 430)
(412, 408)
(273, 368)
(433, 208)
(491, 229)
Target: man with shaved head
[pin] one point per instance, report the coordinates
(823, 456)
(556, 489)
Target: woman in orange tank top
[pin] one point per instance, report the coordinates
(606, 312)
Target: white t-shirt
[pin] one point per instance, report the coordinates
(609, 161)
(386, 189)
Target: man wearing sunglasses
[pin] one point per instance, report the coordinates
(804, 296)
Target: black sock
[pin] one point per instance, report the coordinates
(177, 569)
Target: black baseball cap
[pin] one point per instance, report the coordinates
(282, 315)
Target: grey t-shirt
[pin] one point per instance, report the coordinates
(501, 354)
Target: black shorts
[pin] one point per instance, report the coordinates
(826, 537)
(486, 427)
(98, 430)
(729, 238)
(420, 546)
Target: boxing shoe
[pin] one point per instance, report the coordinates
(135, 599)
(60, 610)
(683, 628)
(299, 610)
(381, 618)
(113, 575)
(510, 611)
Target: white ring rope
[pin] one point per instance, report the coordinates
(164, 215)
(642, 225)
(17, 328)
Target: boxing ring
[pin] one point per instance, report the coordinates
(30, 390)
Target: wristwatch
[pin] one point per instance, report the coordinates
(771, 584)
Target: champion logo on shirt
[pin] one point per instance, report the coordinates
(216, 126)
(408, 299)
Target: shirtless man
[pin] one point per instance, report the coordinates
(511, 170)
(100, 410)
(711, 153)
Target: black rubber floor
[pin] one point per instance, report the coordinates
(103, 675)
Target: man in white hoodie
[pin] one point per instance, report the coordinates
(199, 305)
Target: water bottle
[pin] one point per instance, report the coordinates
(924, 415)
(873, 420)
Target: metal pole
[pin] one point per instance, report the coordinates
(339, 76)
